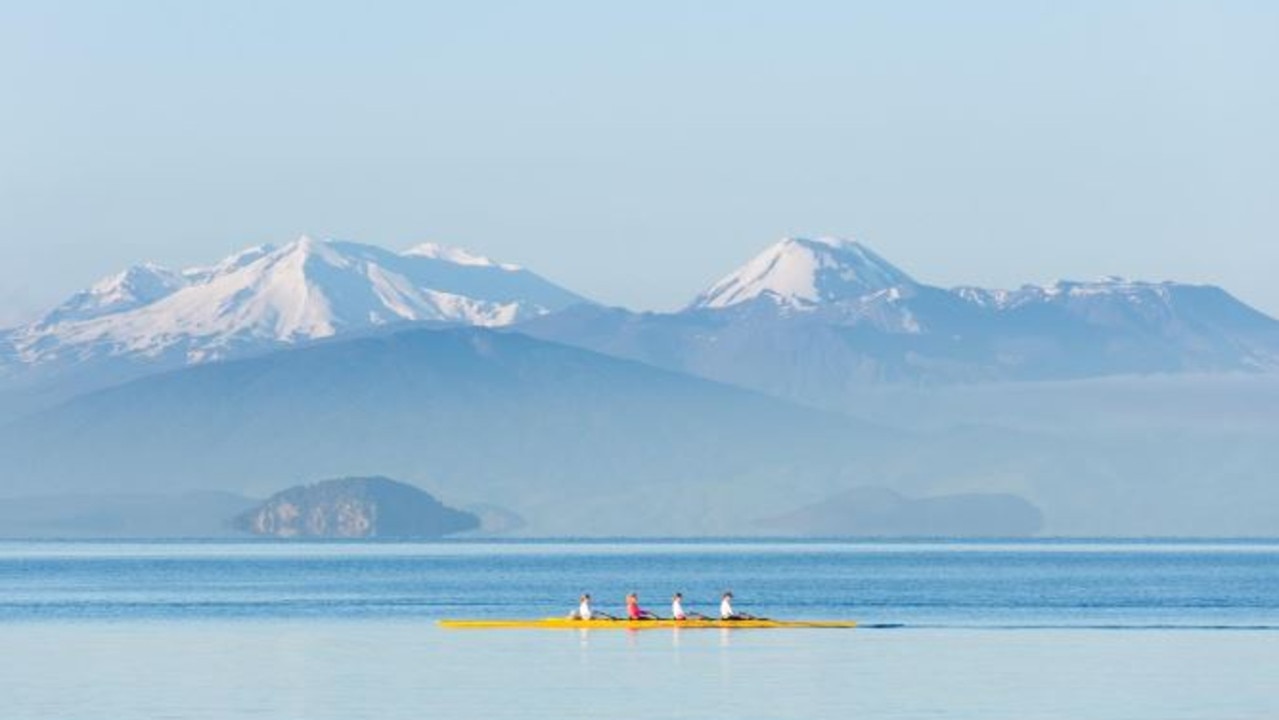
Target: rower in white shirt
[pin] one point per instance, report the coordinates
(677, 609)
(585, 611)
(726, 611)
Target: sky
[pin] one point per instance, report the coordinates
(636, 152)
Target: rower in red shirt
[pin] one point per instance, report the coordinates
(634, 611)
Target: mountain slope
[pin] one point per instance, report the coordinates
(265, 298)
(805, 273)
(573, 441)
(579, 443)
(818, 320)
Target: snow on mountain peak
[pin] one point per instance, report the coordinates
(1109, 288)
(265, 296)
(307, 247)
(804, 273)
(133, 287)
(456, 255)
(143, 282)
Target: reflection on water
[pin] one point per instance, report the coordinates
(971, 631)
(1031, 584)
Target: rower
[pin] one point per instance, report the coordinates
(586, 611)
(677, 609)
(634, 611)
(726, 611)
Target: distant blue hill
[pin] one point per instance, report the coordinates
(574, 441)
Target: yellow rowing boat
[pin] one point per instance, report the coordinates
(571, 624)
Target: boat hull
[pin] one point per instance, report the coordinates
(569, 624)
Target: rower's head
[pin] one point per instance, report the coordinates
(678, 596)
(728, 595)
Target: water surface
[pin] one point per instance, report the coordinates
(969, 630)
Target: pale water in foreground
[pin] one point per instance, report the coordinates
(975, 630)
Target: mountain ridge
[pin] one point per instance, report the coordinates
(816, 320)
(264, 298)
(579, 443)
(804, 319)
(489, 417)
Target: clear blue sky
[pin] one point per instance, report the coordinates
(637, 152)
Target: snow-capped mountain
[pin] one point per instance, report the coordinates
(267, 297)
(816, 319)
(842, 282)
(805, 274)
(825, 279)
(805, 319)
(1192, 327)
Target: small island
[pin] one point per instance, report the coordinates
(354, 508)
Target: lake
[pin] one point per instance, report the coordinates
(1041, 629)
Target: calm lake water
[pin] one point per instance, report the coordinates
(965, 630)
